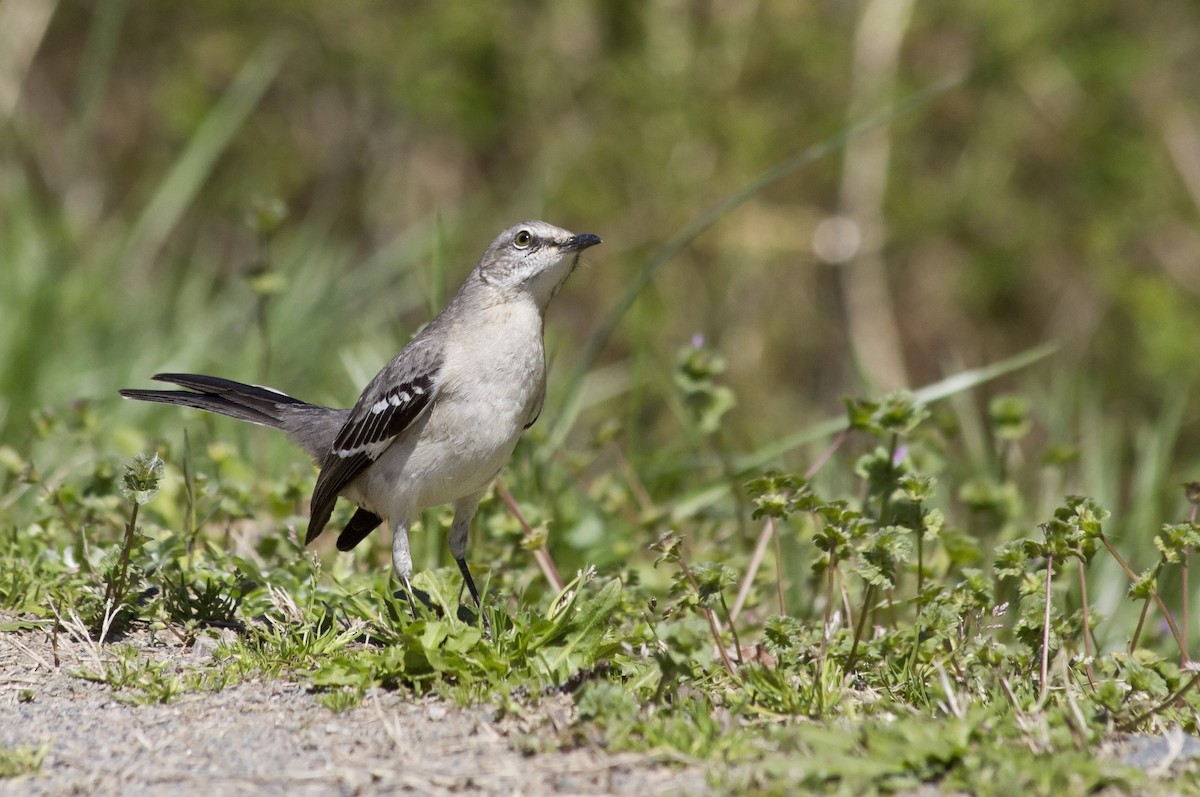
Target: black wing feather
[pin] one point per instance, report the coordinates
(375, 421)
(362, 524)
(401, 406)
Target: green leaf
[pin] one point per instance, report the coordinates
(1010, 417)
(713, 578)
(143, 473)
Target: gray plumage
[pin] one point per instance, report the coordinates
(437, 423)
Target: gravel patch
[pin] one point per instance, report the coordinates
(272, 737)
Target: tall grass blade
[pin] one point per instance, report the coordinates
(194, 165)
(94, 71)
(949, 386)
(938, 390)
(723, 208)
(22, 26)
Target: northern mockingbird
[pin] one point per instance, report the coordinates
(440, 421)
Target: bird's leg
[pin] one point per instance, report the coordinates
(487, 624)
(470, 582)
(464, 512)
(402, 562)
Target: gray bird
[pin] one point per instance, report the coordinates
(440, 421)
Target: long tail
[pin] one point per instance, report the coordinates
(252, 403)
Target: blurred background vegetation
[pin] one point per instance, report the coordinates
(283, 191)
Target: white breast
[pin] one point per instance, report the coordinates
(491, 385)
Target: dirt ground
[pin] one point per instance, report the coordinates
(272, 737)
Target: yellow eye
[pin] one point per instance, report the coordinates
(523, 239)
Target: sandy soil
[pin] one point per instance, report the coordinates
(272, 737)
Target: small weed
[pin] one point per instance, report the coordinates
(135, 678)
(21, 760)
(340, 701)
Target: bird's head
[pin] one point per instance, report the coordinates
(533, 256)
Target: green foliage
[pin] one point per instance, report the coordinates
(696, 372)
(21, 760)
(340, 701)
(531, 653)
(136, 679)
(932, 670)
(1010, 417)
(895, 414)
(921, 607)
(142, 475)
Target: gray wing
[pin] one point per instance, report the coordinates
(396, 397)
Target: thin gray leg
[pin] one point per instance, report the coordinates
(464, 512)
(402, 563)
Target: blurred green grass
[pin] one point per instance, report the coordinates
(1043, 199)
(1051, 196)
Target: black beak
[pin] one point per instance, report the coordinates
(578, 242)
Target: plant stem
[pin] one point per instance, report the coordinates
(1046, 626)
(189, 496)
(825, 455)
(760, 550)
(885, 500)
(1187, 556)
(115, 591)
(920, 566)
(1087, 627)
(542, 554)
(1138, 720)
(828, 608)
(858, 628)
(1183, 611)
(737, 643)
(713, 625)
(912, 659)
(779, 574)
(1137, 632)
(1162, 606)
